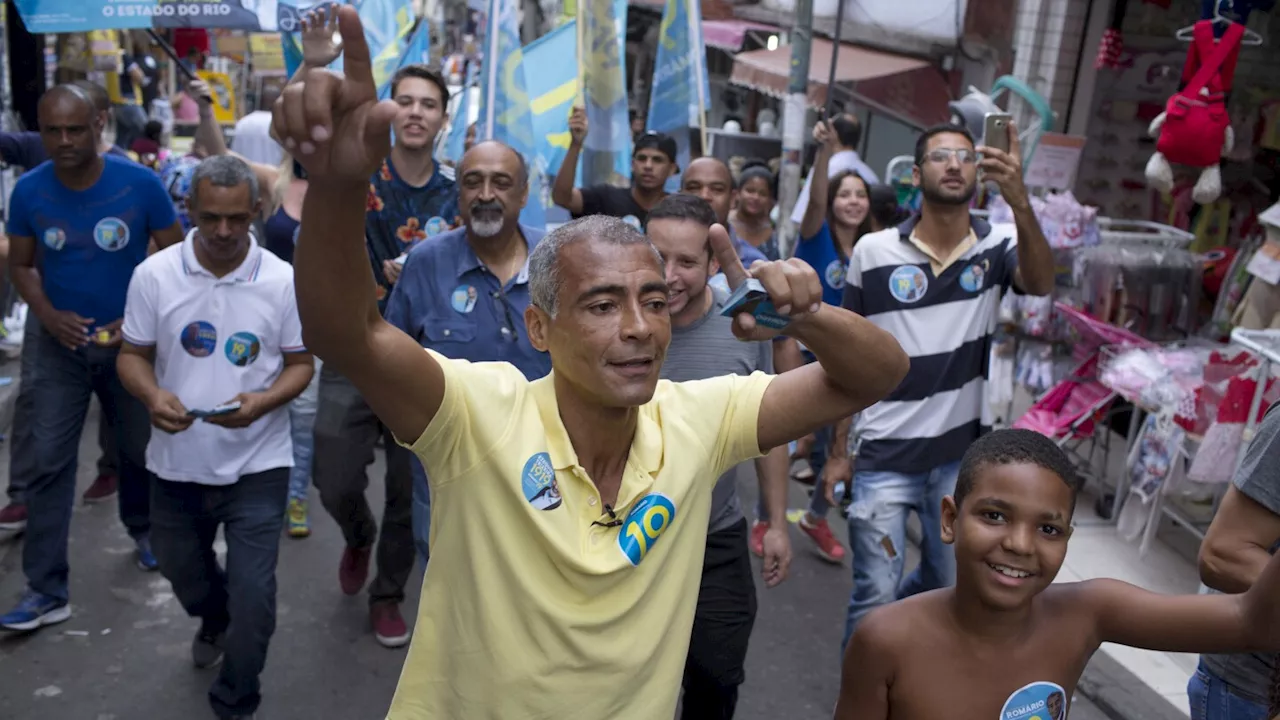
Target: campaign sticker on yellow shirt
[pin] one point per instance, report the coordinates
(646, 522)
(1037, 701)
(538, 480)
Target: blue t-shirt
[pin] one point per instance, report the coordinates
(821, 254)
(88, 242)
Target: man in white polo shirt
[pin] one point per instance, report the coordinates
(213, 347)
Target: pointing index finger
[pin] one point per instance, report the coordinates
(355, 56)
(727, 256)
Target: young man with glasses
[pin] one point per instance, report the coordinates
(464, 293)
(935, 284)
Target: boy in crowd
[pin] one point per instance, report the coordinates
(1003, 640)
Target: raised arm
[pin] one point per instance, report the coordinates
(563, 193)
(858, 363)
(815, 211)
(1129, 615)
(338, 130)
(1035, 272)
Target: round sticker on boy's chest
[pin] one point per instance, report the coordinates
(633, 221)
(1037, 701)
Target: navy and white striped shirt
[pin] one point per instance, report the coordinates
(945, 323)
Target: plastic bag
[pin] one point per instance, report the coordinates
(1215, 462)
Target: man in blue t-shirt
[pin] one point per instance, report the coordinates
(26, 150)
(409, 201)
(78, 226)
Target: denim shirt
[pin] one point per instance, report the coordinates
(449, 302)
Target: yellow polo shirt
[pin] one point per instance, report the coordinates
(530, 609)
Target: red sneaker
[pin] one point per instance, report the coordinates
(757, 537)
(388, 625)
(13, 517)
(103, 488)
(820, 533)
(354, 569)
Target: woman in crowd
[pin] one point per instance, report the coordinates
(750, 220)
(837, 215)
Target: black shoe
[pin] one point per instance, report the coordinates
(206, 649)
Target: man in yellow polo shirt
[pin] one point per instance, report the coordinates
(572, 511)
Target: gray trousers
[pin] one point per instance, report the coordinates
(346, 432)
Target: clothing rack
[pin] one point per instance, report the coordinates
(1265, 345)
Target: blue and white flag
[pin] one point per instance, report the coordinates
(504, 99)
(606, 156)
(551, 70)
(680, 90)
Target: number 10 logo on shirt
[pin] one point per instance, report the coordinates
(648, 519)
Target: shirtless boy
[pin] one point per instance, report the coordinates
(1004, 643)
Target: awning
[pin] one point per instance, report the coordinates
(729, 34)
(901, 85)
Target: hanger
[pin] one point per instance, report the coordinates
(1187, 34)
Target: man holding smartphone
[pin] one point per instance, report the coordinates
(213, 348)
(935, 284)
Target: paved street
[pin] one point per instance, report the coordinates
(124, 655)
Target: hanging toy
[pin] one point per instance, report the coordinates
(1194, 129)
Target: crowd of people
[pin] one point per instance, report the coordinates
(565, 415)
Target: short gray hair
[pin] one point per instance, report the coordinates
(545, 280)
(225, 171)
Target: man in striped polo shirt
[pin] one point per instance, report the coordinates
(935, 284)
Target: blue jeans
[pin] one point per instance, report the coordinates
(818, 505)
(61, 384)
(302, 424)
(878, 537)
(421, 512)
(240, 600)
(1212, 699)
(22, 458)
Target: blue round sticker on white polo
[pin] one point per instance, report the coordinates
(972, 278)
(243, 348)
(199, 339)
(435, 226)
(463, 298)
(111, 234)
(54, 238)
(648, 519)
(632, 220)
(1037, 701)
(908, 284)
(834, 274)
(538, 481)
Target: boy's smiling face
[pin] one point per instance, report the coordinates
(1010, 533)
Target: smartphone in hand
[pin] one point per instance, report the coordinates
(224, 409)
(995, 131)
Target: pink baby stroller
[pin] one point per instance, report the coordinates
(1070, 412)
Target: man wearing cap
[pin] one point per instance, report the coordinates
(652, 162)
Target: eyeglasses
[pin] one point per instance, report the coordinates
(508, 332)
(941, 156)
